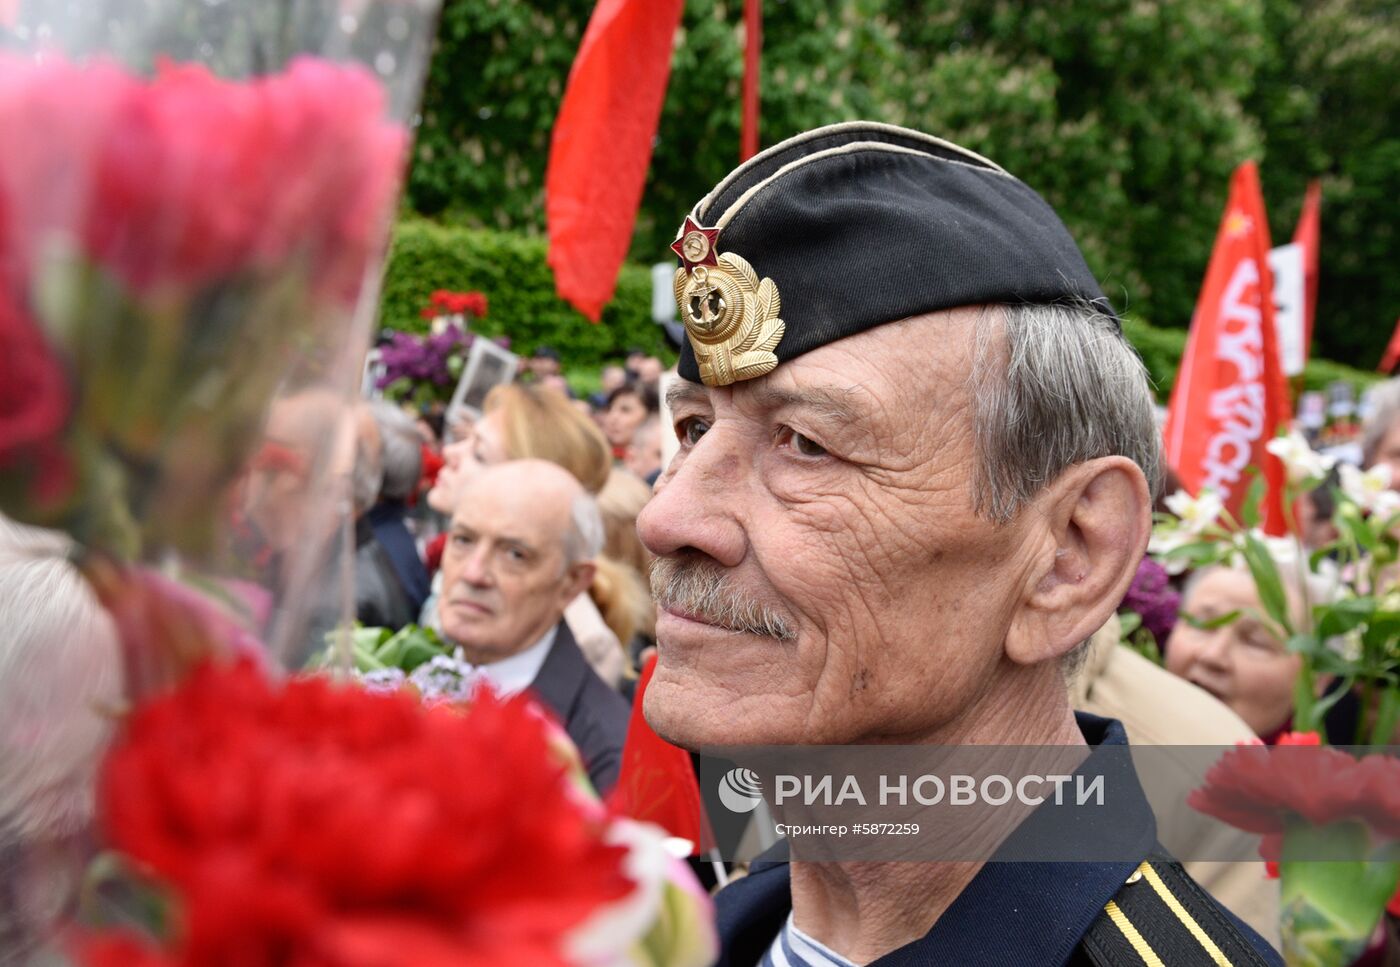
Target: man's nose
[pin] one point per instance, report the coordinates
(476, 569)
(698, 502)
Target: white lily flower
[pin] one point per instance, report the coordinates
(1196, 513)
(1165, 541)
(1302, 461)
(1284, 550)
(1347, 646)
(1370, 489)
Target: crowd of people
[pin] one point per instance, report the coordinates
(832, 561)
(512, 534)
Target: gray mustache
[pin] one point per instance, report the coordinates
(700, 588)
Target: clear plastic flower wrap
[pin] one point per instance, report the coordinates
(195, 198)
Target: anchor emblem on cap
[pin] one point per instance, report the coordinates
(730, 315)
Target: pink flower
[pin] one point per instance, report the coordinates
(64, 112)
(35, 404)
(200, 179)
(165, 628)
(1261, 789)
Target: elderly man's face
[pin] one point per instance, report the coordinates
(832, 502)
(505, 579)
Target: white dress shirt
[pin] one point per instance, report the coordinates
(512, 675)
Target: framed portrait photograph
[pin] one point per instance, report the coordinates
(487, 366)
(371, 375)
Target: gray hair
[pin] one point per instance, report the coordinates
(1385, 411)
(367, 476)
(584, 540)
(403, 452)
(60, 683)
(1053, 386)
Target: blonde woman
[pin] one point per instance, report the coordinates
(524, 421)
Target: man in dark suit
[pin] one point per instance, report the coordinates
(915, 474)
(520, 548)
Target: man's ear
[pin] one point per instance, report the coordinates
(577, 579)
(1094, 522)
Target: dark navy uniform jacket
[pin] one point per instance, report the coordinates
(1035, 913)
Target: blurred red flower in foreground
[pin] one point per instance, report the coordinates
(193, 182)
(310, 823)
(1261, 788)
(34, 408)
(165, 628)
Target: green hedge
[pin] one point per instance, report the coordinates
(1161, 351)
(519, 286)
(511, 270)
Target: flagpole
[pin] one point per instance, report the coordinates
(753, 44)
(721, 874)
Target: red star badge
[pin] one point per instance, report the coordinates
(696, 245)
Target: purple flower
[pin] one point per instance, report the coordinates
(423, 359)
(1153, 598)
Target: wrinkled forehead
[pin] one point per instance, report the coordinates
(535, 515)
(911, 370)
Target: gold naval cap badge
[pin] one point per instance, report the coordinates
(730, 315)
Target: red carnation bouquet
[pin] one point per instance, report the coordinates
(319, 823)
(163, 268)
(1330, 823)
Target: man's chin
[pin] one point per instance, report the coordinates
(469, 638)
(697, 718)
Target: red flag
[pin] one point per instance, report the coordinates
(1308, 234)
(602, 142)
(1230, 397)
(1392, 352)
(753, 43)
(657, 782)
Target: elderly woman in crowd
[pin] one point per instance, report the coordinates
(1380, 434)
(1242, 661)
(520, 422)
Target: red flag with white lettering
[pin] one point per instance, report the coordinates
(1230, 397)
(1308, 234)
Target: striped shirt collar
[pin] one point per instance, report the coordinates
(793, 948)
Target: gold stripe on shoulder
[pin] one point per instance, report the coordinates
(1188, 921)
(1130, 933)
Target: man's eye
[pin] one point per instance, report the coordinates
(691, 429)
(804, 445)
(807, 446)
(461, 540)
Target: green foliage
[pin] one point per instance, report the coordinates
(1128, 115)
(1161, 351)
(1327, 99)
(1125, 115)
(1322, 372)
(510, 269)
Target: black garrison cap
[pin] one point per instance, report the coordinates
(851, 226)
